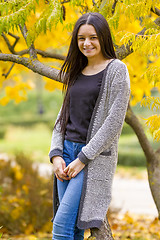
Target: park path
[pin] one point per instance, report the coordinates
(128, 194)
(134, 196)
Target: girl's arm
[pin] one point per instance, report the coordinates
(56, 148)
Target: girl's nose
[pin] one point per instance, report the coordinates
(86, 42)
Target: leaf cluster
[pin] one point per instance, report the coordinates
(25, 197)
(135, 227)
(48, 19)
(14, 13)
(153, 122)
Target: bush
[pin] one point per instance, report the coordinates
(25, 197)
(127, 130)
(2, 132)
(133, 159)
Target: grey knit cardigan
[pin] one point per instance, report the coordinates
(101, 151)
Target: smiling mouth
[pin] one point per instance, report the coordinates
(88, 49)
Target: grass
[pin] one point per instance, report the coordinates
(38, 108)
(33, 141)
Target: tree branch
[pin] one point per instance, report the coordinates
(114, 6)
(156, 11)
(94, 4)
(34, 65)
(32, 51)
(50, 55)
(6, 74)
(65, 1)
(16, 37)
(133, 121)
(10, 47)
(123, 51)
(44, 54)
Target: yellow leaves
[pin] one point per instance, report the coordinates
(134, 8)
(154, 124)
(157, 134)
(137, 65)
(18, 92)
(4, 101)
(151, 102)
(29, 229)
(50, 16)
(25, 189)
(12, 93)
(15, 14)
(135, 227)
(128, 218)
(17, 172)
(16, 212)
(46, 227)
(24, 210)
(51, 85)
(32, 237)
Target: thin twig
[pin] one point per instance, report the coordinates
(32, 51)
(16, 37)
(94, 4)
(65, 1)
(6, 74)
(10, 47)
(156, 11)
(114, 6)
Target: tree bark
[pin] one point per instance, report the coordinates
(104, 233)
(152, 157)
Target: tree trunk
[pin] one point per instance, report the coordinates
(152, 157)
(104, 233)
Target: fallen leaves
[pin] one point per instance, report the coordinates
(135, 227)
(124, 227)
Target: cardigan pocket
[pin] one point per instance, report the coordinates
(106, 153)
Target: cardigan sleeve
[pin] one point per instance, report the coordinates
(119, 93)
(56, 148)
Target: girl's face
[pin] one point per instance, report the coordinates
(88, 41)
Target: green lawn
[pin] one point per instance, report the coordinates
(33, 141)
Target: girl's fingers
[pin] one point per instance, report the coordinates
(66, 169)
(58, 178)
(74, 174)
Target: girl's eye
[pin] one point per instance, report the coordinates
(81, 38)
(93, 37)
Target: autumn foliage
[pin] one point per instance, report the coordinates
(25, 197)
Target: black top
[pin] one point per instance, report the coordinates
(83, 96)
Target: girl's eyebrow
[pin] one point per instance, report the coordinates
(89, 35)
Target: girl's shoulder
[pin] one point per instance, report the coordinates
(117, 66)
(117, 63)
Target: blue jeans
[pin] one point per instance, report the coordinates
(69, 193)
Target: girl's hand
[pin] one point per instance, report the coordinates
(58, 167)
(74, 168)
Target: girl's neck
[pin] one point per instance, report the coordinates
(94, 62)
(94, 67)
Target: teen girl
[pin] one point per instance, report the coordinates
(85, 138)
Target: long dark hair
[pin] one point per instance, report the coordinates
(75, 61)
